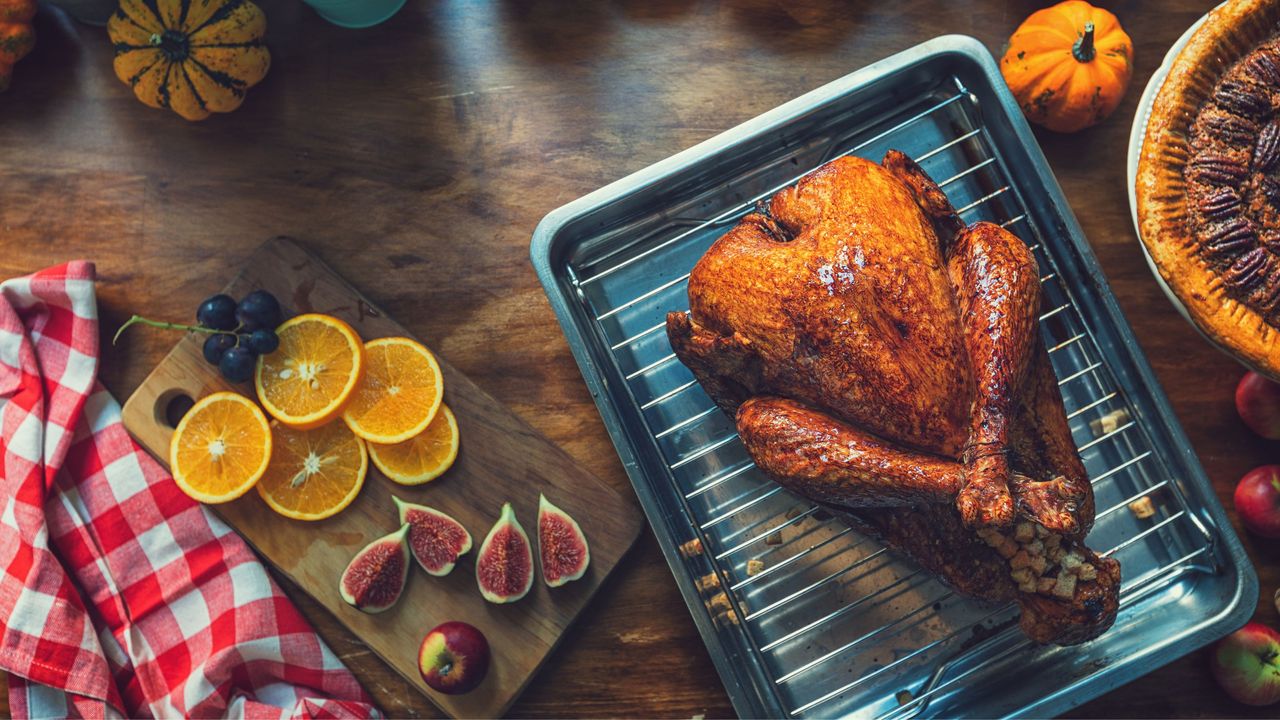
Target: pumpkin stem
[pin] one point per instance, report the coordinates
(1083, 50)
(175, 45)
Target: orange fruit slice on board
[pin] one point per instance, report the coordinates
(220, 448)
(308, 379)
(423, 457)
(314, 474)
(399, 394)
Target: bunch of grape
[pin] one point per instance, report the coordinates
(247, 331)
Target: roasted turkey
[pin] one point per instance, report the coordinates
(883, 359)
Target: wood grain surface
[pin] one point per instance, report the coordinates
(501, 459)
(416, 157)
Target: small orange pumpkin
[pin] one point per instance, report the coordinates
(1068, 65)
(17, 36)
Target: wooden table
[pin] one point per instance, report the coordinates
(417, 157)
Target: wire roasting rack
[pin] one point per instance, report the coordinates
(803, 616)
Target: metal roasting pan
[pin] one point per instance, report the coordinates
(802, 616)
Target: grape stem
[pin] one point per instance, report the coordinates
(139, 320)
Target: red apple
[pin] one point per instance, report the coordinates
(1246, 664)
(1258, 500)
(454, 658)
(1258, 402)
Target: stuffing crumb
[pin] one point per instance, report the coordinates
(1087, 572)
(1039, 564)
(1071, 561)
(1142, 508)
(1065, 588)
(773, 538)
(692, 548)
(1109, 423)
(1024, 532)
(707, 582)
(794, 512)
(991, 537)
(1008, 549)
(903, 697)
(754, 566)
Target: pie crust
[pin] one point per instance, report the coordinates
(1208, 182)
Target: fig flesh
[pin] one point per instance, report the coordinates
(504, 566)
(562, 548)
(435, 538)
(374, 579)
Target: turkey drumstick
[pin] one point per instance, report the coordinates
(827, 460)
(997, 284)
(819, 457)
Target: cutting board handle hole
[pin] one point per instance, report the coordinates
(171, 406)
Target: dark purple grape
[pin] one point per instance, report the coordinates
(215, 346)
(259, 310)
(237, 364)
(217, 312)
(262, 342)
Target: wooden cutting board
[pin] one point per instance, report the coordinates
(501, 459)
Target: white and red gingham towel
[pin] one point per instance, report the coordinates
(119, 595)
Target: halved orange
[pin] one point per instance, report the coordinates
(307, 381)
(423, 457)
(316, 473)
(400, 393)
(220, 448)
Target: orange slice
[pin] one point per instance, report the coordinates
(316, 473)
(308, 379)
(423, 457)
(220, 448)
(400, 393)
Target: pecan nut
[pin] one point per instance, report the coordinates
(1248, 270)
(1212, 169)
(1267, 150)
(1263, 66)
(1230, 238)
(1233, 130)
(1266, 296)
(1243, 99)
(1220, 204)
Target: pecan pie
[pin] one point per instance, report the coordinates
(1208, 184)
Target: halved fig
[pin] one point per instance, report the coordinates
(435, 538)
(562, 548)
(375, 577)
(504, 566)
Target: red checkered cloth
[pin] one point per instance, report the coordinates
(120, 596)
